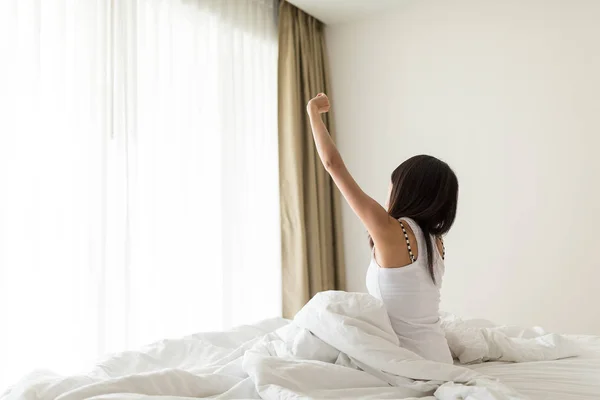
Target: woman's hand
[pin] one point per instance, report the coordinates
(319, 103)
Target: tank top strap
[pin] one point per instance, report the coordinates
(416, 230)
(420, 237)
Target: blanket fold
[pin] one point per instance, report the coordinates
(340, 345)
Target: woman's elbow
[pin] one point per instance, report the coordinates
(333, 164)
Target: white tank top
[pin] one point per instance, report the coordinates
(412, 300)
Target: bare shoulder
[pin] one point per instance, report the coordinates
(393, 251)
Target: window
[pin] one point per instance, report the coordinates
(138, 175)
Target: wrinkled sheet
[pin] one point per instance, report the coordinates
(340, 345)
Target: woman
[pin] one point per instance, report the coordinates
(407, 264)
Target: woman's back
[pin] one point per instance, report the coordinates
(412, 298)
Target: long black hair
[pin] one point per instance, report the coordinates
(425, 189)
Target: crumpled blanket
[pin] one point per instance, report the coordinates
(340, 345)
(475, 341)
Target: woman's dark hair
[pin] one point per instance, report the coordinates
(425, 189)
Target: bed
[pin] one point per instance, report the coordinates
(340, 345)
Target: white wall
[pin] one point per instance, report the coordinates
(508, 93)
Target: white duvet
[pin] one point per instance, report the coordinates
(340, 345)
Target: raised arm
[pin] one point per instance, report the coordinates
(371, 213)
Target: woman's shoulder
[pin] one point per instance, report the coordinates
(400, 249)
(411, 225)
(417, 236)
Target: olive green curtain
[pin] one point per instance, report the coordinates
(312, 257)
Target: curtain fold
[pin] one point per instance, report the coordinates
(312, 258)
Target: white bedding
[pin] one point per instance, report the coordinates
(341, 345)
(477, 341)
(571, 379)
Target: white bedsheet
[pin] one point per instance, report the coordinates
(341, 345)
(570, 379)
(576, 378)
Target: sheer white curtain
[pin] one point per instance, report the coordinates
(138, 175)
(52, 157)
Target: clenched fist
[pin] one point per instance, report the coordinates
(319, 103)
